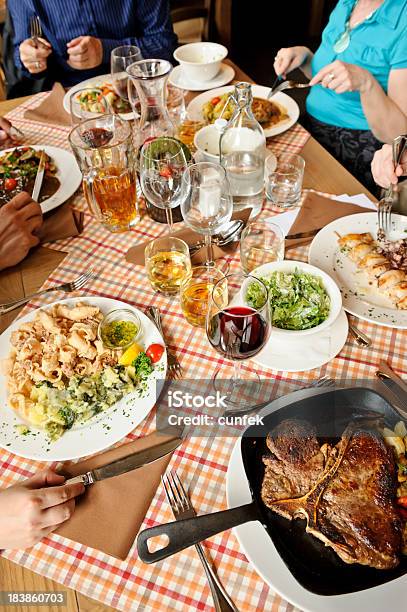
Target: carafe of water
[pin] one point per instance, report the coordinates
(242, 152)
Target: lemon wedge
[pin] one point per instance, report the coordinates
(130, 354)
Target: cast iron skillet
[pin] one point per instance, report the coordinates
(316, 567)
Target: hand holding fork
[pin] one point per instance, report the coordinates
(35, 50)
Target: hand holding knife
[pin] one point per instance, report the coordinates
(39, 177)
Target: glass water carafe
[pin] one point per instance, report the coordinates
(150, 79)
(242, 152)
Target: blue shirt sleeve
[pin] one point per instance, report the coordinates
(398, 56)
(20, 17)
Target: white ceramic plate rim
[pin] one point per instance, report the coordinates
(262, 555)
(178, 79)
(93, 82)
(323, 251)
(68, 174)
(94, 436)
(194, 108)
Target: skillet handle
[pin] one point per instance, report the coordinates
(184, 533)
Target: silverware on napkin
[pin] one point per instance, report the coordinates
(127, 464)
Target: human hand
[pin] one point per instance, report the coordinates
(383, 167)
(33, 508)
(9, 135)
(85, 52)
(34, 55)
(341, 77)
(19, 220)
(290, 59)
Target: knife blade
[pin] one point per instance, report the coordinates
(128, 463)
(309, 234)
(395, 384)
(39, 177)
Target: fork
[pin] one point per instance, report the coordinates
(286, 85)
(385, 205)
(174, 366)
(74, 285)
(182, 508)
(35, 29)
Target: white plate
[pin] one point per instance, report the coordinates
(178, 79)
(68, 174)
(262, 555)
(194, 108)
(305, 353)
(358, 297)
(98, 433)
(97, 81)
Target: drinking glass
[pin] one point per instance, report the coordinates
(237, 331)
(195, 293)
(162, 163)
(168, 263)
(87, 103)
(104, 151)
(207, 203)
(120, 58)
(284, 183)
(175, 101)
(261, 242)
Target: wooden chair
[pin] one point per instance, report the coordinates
(192, 20)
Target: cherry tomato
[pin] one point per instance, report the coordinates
(155, 352)
(402, 501)
(215, 101)
(166, 172)
(10, 184)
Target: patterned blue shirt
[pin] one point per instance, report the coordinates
(378, 44)
(145, 23)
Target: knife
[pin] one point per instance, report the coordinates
(395, 384)
(128, 463)
(309, 234)
(39, 177)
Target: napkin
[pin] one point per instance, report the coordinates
(109, 514)
(64, 222)
(316, 212)
(135, 254)
(51, 109)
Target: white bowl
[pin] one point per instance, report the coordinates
(200, 61)
(206, 141)
(329, 285)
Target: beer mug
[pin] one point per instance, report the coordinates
(103, 148)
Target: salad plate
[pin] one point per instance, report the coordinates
(101, 430)
(359, 297)
(104, 80)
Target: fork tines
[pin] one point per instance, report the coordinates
(35, 28)
(175, 492)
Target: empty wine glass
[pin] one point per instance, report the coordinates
(207, 203)
(120, 58)
(162, 163)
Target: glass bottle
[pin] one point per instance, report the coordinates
(150, 79)
(242, 149)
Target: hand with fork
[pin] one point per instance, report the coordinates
(35, 50)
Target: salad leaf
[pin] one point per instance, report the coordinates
(298, 300)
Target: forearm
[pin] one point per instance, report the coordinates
(384, 116)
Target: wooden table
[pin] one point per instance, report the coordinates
(322, 172)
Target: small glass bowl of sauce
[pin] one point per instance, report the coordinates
(119, 329)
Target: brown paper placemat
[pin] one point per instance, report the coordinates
(316, 212)
(64, 222)
(51, 109)
(109, 514)
(135, 254)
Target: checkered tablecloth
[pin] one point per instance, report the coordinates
(179, 582)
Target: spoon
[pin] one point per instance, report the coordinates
(229, 233)
(359, 336)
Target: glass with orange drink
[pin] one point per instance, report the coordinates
(195, 293)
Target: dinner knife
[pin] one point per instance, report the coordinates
(39, 178)
(128, 463)
(395, 384)
(308, 234)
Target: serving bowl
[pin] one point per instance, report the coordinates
(328, 283)
(200, 61)
(206, 141)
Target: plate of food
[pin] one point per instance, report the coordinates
(369, 269)
(77, 376)
(88, 100)
(18, 169)
(321, 476)
(275, 116)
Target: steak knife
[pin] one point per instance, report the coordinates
(39, 177)
(127, 464)
(395, 384)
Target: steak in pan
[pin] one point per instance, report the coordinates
(346, 492)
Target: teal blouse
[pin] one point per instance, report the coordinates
(378, 44)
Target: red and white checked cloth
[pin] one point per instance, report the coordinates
(177, 583)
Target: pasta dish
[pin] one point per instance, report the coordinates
(59, 373)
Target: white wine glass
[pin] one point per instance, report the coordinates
(120, 59)
(207, 203)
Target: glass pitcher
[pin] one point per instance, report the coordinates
(104, 151)
(242, 149)
(150, 79)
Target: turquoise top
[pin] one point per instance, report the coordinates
(378, 44)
